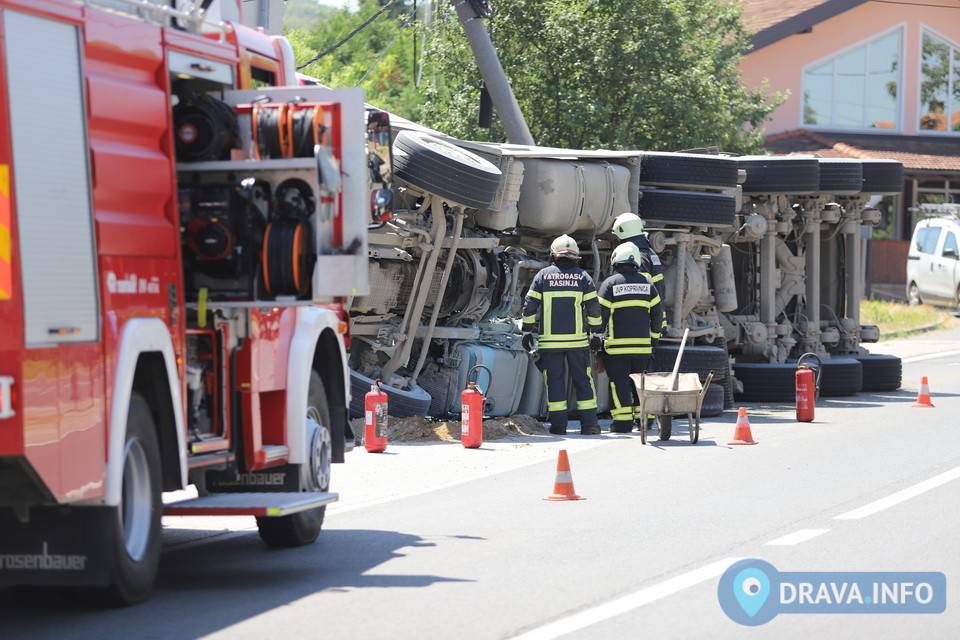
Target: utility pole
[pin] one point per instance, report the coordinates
(493, 76)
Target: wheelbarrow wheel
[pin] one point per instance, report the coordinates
(694, 429)
(665, 424)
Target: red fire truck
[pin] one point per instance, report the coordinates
(178, 238)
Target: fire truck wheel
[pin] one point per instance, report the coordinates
(688, 207)
(137, 538)
(688, 170)
(438, 167)
(771, 174)
(303, 528)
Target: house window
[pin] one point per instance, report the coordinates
(938, 192)
(939, 85)
(856, 89)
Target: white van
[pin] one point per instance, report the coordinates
(933, 264)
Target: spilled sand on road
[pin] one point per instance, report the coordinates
(422, 429)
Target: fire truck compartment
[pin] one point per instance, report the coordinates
(262, 505)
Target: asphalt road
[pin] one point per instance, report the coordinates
(435, 541)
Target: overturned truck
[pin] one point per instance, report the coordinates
(761, 254)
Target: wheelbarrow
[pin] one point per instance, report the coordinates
(666, 395)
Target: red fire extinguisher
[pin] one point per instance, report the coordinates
(471, 410)
(375, 419)
(807, 386)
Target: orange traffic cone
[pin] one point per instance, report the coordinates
(563, 486)
(741, 434)
(923, 397)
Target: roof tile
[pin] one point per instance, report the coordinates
(918, 153)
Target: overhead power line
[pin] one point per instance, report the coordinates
(346, 38)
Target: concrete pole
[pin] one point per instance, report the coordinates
(493, 76)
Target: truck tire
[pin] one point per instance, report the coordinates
(841, 377)
(780, 174)
(881, 372)
(402, 403)
(840, 176)
(438, 167)
(699, 359)
(713, 401)
(688, 207)
(765, 382)
(882, 177)
(303, 528)
(137, 536)
(688, 170)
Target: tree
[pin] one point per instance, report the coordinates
(648, 74)
(623, 74)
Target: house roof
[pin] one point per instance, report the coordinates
(773, 20)
(917, 153)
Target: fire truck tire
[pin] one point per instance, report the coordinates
(841, 377)
(137, 534)
(303, 528)
(688, 170)
(881, 372)
(438, 167)
(765, 382)
(402, 403)
(699, 359)
(713, 401)
(772, 174)
(840, 176)
(688, 207)
(882, 176)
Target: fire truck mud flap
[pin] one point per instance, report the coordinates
(55, 547)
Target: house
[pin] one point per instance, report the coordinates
(866, 79)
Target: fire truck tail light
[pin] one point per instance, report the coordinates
(6, 397)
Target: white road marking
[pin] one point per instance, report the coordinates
(614, 608)
(931, 356)
(797, 537)
(900, 496)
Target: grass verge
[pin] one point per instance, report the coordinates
(897, 320)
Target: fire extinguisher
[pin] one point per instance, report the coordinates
(807, 386)
(471, 410)
(375, 420)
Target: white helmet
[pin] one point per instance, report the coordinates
(627, 225)
(564, 247)
(626, 252)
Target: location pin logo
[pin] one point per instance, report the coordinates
(751, 587)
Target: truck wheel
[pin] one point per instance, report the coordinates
(137, 534)
(713, 401)
(765, 382)
(402, 403)
(438, 167)
(882, 176)
(699, 359)
(881, 372)
(841, 377)
(303, 528)
(688, 207)
(779, 174)
(840, 176)
(688, 170)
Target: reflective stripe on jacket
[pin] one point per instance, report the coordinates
(630, 311)
(561, 306)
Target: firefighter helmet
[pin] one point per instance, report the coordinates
(564, 247)
(626, 252)
(627, 225)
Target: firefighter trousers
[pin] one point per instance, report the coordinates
(623, 394)
(554, 364)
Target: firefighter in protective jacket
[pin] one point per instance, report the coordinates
(631, 316)
(560, 312)
(628, 227)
